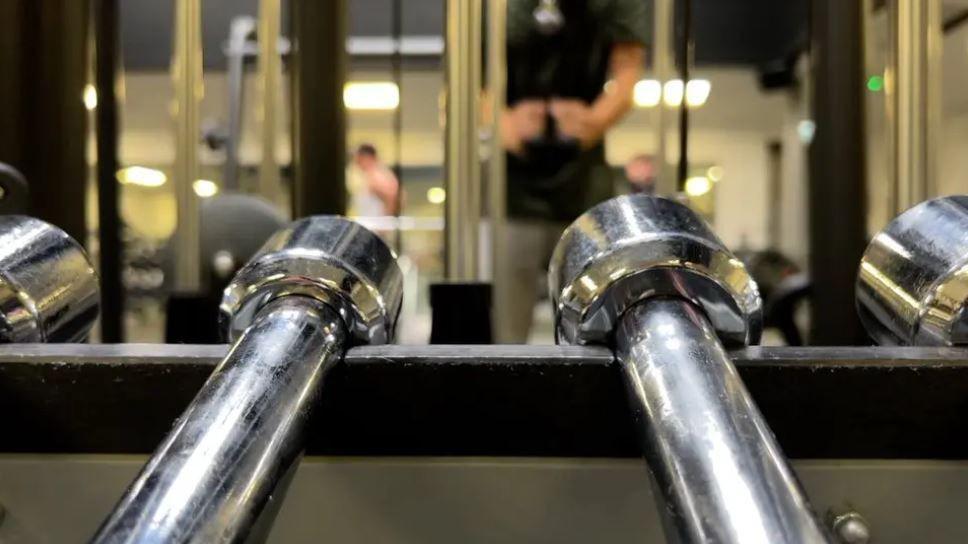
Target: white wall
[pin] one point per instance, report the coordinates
(731, 130)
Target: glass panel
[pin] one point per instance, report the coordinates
(238, 211)
(395, 138)
(748, 133)
(146, 156)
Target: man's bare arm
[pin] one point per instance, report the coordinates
(625, 65)
(589, 123)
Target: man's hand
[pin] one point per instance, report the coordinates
(576, 120)
(521, 123)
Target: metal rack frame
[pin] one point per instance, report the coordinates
(517, 401)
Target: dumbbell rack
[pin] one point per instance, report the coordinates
(642, 275)
(524, 404)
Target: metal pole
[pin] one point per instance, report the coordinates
(463, 175)
(774, 195)
(221, 465)
(396, 68)
(662, 60)
(270, 75)
(239, 32)
(110, 249)
(914, 98)
(43, 69)
(685, 59)
(318, 72)
(718, 467)
(497, 167)
(187, 79)
(836, 190)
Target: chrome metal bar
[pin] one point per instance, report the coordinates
(221, 465)
(463, 168)
(914, 98)
(718, 468)
(187, 76)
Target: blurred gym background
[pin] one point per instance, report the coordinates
(802, 128)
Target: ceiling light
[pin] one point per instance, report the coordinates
(205, 188)
(436, 195)
(139, 175)
(90, 97)
(715, 173)
(698, 186)
(697, 91)
(647, 93)
(373, 95)
(672, 92)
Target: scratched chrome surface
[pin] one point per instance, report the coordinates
(634, 247)
(912, 284)
(719, 471)
(48, 288)
(331, 259)
(224, 464)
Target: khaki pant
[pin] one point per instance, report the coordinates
(529, 246)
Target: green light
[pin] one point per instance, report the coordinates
(875, 83)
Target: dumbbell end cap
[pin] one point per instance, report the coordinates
(634, 247)
(48, 287)
(331, 259)
(912, 284)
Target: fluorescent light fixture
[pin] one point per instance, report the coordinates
(647, 93)
(697, 92)
(715, 173)
(436, 195)
(205, 188)
(672, 92)
(90, 97)
(144, 177)
(371, 95)
(698, 186)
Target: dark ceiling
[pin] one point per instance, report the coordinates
(749, 32)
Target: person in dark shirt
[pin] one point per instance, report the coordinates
(572, 67)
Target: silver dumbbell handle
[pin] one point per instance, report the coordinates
(229, 455)
(718, 467)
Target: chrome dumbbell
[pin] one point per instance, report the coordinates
(48, 287)
(912, 286)
(647, 276)
(316, 287)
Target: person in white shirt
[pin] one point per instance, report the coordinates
(379, 195)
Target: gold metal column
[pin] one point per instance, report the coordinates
(187, 80)
(462, 141)
(663, 68)
(913, 85)
(270, 75)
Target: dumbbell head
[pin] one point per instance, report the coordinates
(912, 285)
(630, 248)
(331, 259)
(48, 287)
